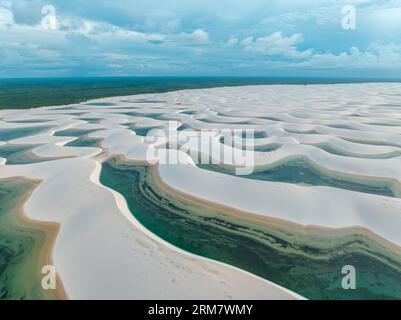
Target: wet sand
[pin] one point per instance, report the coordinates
(26, 271)
(304, 255)
(270, 247)
(258, 220)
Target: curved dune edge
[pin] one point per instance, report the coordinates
(122, 205)
(265, 199)
(46, 251)
(85, 220)
(252, 221)
(89, 273)
(46, 256)
(264, 219)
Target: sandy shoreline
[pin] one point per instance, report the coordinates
(393, 182)
(46, 250)
(128, 236)
(123, 207)
(51, 230)
(250, 217)
(90, 227)
(377, 247)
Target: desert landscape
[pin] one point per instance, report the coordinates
(91, 188)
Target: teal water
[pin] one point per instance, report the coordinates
(301, 171)
(100, 104)
(268, 147)
(302, 132)
(333, 150)
(155, 116)
(17, 154)
(256, 134)
(183, 127)
(375, 143)
(275, 119)
(384, 124)
(10, 134)
(189, 113)
(305, 263)
(21, 154)
(143, 132)
(73, 132)
(83, 141)
(29, 121)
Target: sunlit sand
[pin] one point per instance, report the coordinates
(348, 185)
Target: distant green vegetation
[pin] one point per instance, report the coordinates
(37, 92)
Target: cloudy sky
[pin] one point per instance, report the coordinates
(208, 37)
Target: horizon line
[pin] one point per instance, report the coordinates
(208, 77)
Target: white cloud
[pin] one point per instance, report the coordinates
(277, 45)
(111, 34)
(232, 41)
(353, 58)
(376, 56)
(199, 36)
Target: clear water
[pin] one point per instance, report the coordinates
(268, 147)
(84, 141)
(330, 149)
(20, 247)
(300, 171)
(305, 263)
(15, 133)
(73, 133)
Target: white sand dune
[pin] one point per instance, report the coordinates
(299, 204)
(103, 252)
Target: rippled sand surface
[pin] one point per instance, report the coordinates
(324, 191)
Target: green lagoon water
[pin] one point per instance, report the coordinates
(29, 121)
(333, 150)
(374, 143)
(305, 263)
(143, 132)
(19, 247)
(267, 148)
(84, 141)
(15, 133)
(73, 132)
(19, 154)
(301, 171)
(155, 116)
